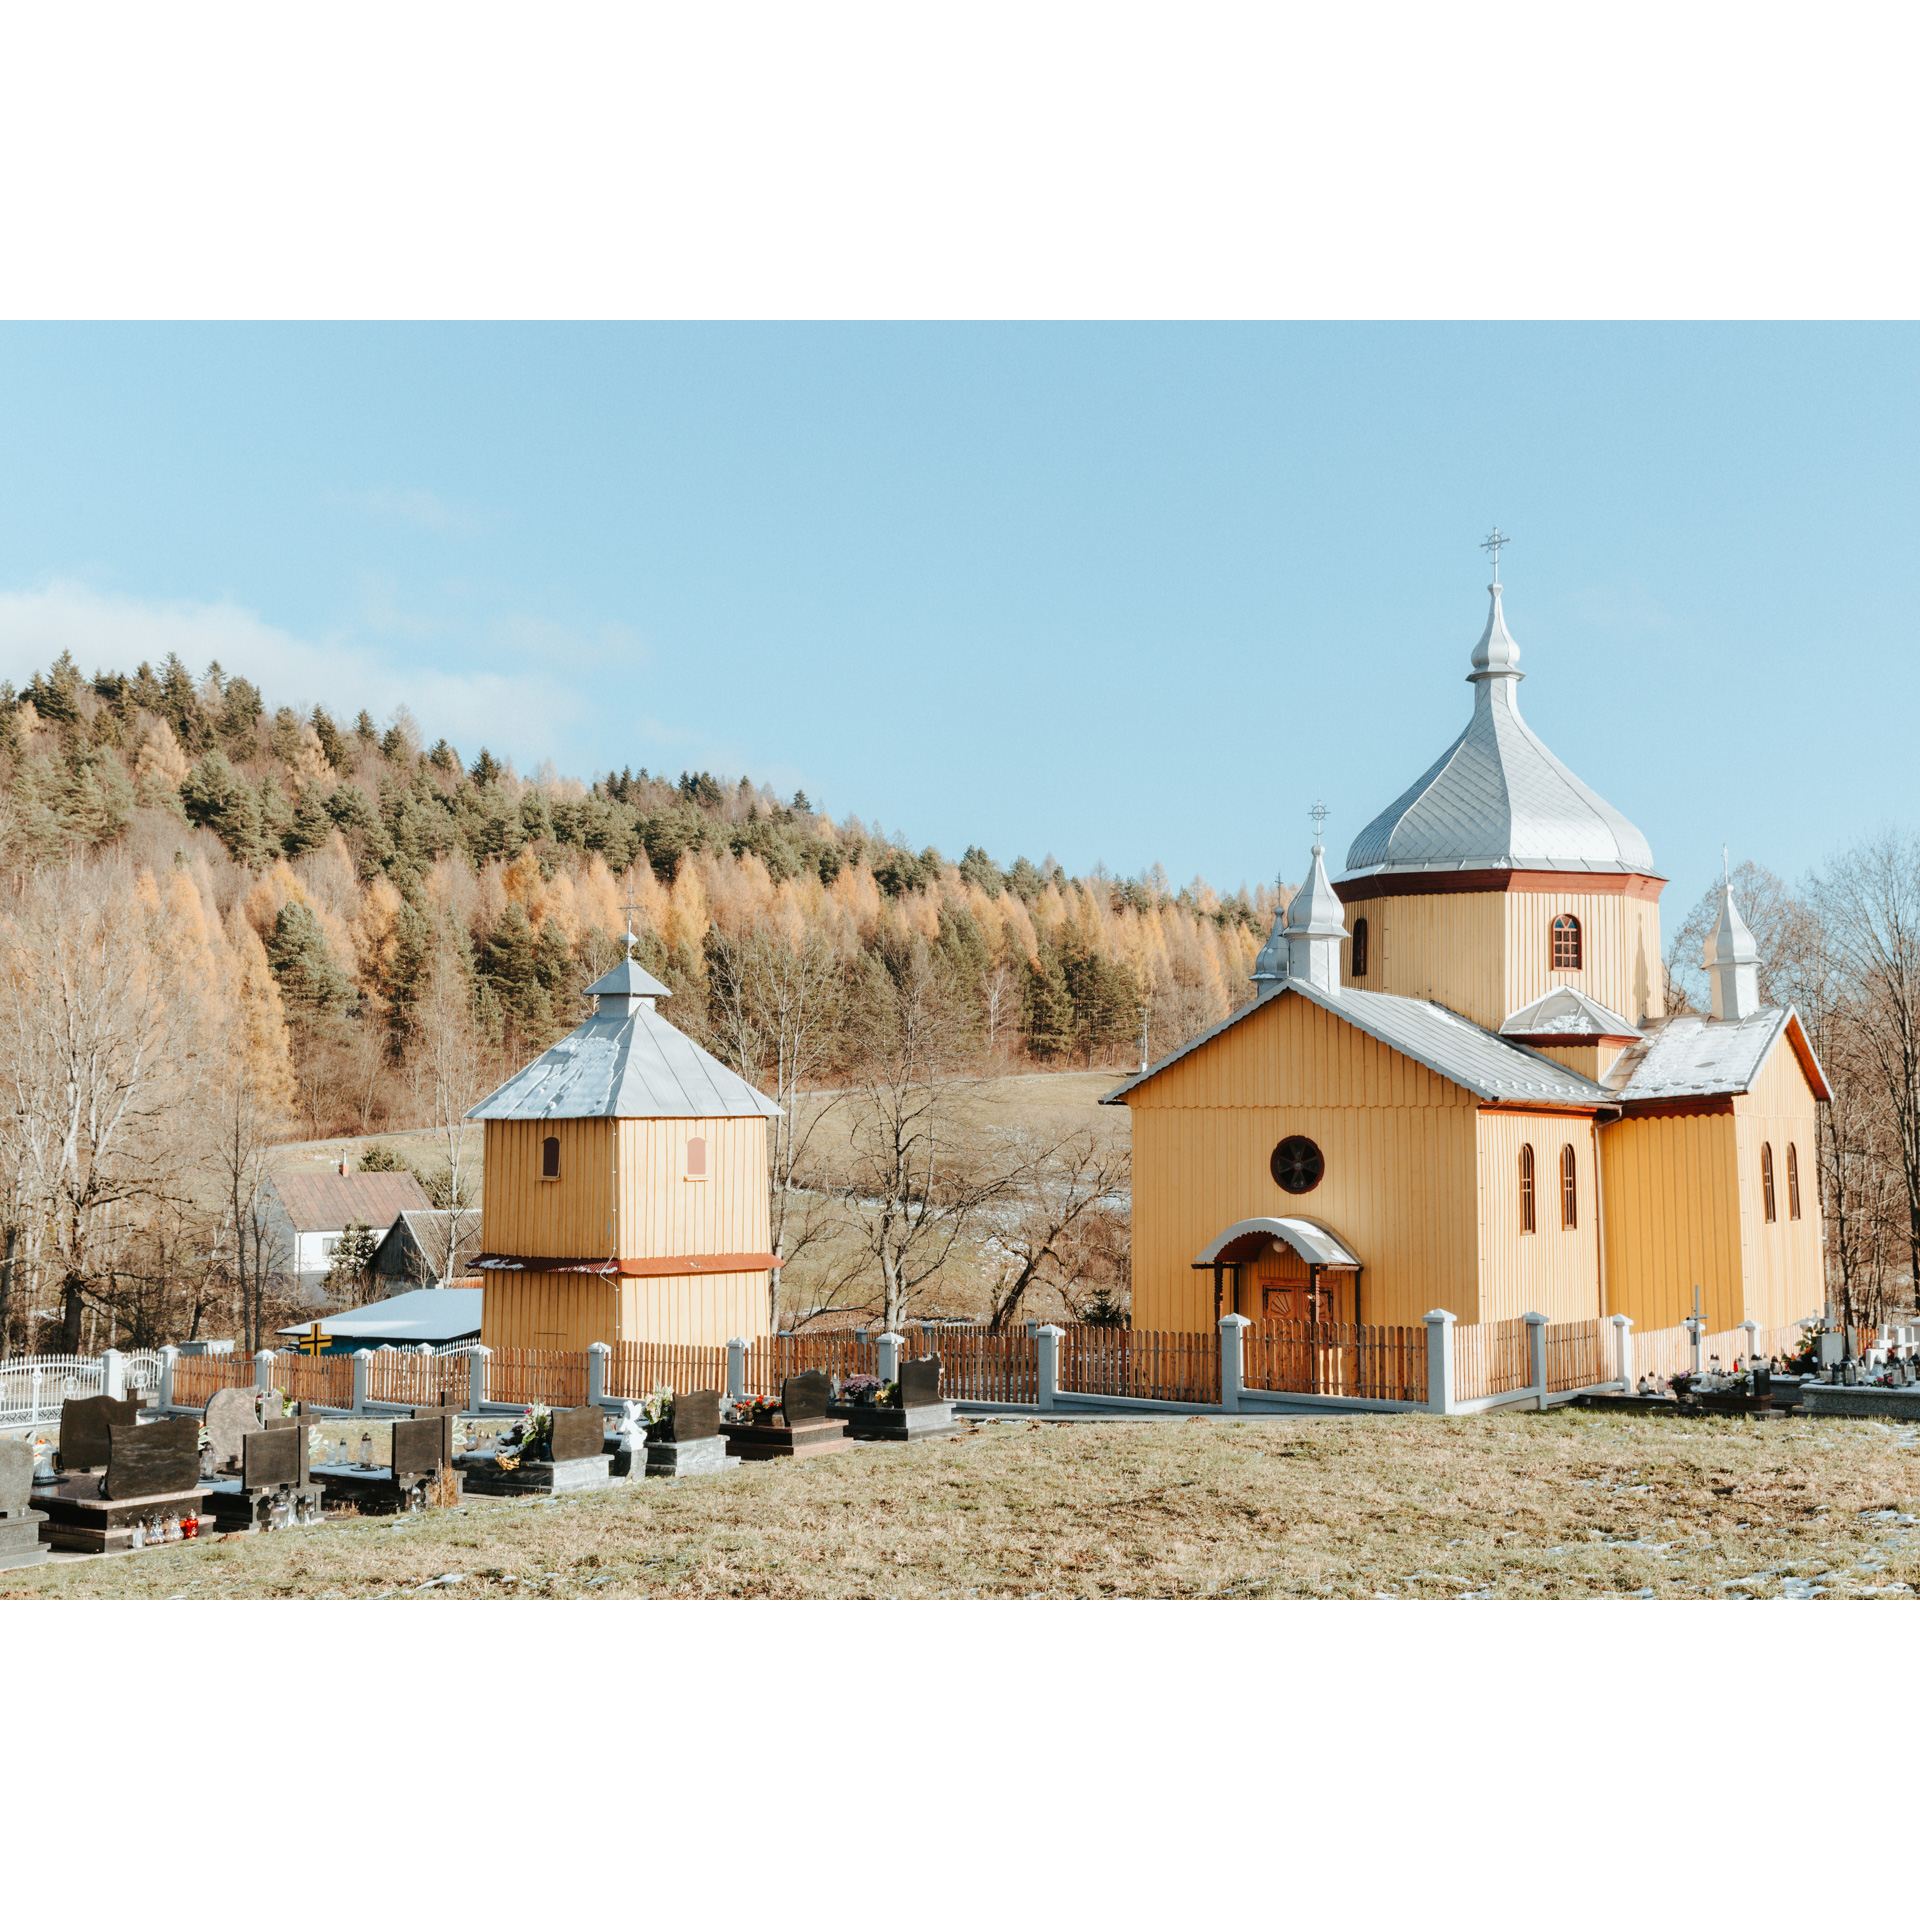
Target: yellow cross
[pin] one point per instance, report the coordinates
(313, 1340)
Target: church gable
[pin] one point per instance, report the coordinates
(1288, 1051)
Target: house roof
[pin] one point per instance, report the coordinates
(425, 1228)
(1498, 797)
(626, 1063)
(1438, 1038)
(1566, 1010)
(1686, 1057)
(432, 1314)
(329, 1202)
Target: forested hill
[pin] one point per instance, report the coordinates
(348, 847)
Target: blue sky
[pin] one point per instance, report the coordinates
(1121, 593)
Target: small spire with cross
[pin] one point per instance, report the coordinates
(1317, 813)
(632, 941)
(1492, 544)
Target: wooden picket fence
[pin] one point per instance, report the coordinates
(197, 1377)
(419, 1379)
(1325, 1357)
(1664, 1351)
(773, 1359)
(636, 1367)
(519, 1376)
(978, 1365)
(314, 1379)
(1491, 1357)
(1579, 1354)
(1139, 1365)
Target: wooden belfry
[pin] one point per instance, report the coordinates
(626, 1187)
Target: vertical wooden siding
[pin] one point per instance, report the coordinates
(1399, 1143)
(552, 1311)
(1488, 954)
(1784, 1274)
(567, 1218)
(1673, 1218)
(662, 1212)
(1554, 1270)
(693, 1310)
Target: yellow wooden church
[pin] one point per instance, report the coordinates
(1457, 1085)
(625, 1192)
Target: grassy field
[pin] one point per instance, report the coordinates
(1561, 1505)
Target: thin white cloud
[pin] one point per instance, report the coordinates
(530, 715)
(418, 507)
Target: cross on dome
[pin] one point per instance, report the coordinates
(1317, 813)
(1492, 544)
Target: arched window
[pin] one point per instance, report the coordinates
(697, 1158)
(550, 1158)
(1569, 1187)
(1526, 1189)
(1793, 1181)
(1766, 1179)
(1359, 949)
(1566, 944)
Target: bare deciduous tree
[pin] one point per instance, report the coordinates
(1058, 1186)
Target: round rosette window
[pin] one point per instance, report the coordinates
(1298, 1165)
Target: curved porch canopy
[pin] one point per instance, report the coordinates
(1318, 1246)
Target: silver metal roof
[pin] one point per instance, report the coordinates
(1567, 1010)
(626, 1063)
(1318, 1246)
(1448, 1043)
(1686, 1056)
(1497, 797)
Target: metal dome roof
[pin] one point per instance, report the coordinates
(1497, 797)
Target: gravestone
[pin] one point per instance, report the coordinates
(419, 1446)
(443, 1416)
(696, 1416)
(920, 1382)
(229, 1418)
(144, 1462)
(272, 1459)
(84, 1425)
(578, 1433)
(19, 1523)
(697, 1445)
(805, 1398)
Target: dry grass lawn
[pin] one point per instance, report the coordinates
(1563, 1505)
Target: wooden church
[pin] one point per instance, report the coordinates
(625, 1191)
(1457, 1085)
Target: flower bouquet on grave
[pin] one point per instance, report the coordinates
(888, 1394)
(861, 1389)
(755, 1409)
(656, 1414)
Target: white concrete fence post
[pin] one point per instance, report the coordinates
(168, 1355)
(360, 1381)
(476, 1378)
(1537, 1354)
(1439, 1325)
(1047, 1339)
(113, 1373)
(1623, 1351)
(736, 1368)
(889, 1362)
(1751, 1328)
(1233, 1333)
(263, 1370)
(597, 1357)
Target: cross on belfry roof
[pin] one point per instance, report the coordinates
(1317, 813)
(1492, 544)
(632, 942)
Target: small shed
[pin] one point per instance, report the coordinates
(413, 1252)
(436, 1317)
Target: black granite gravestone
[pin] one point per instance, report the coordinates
(229, 1418)
(920, 1382)
(418, 1446)
(696, 1416)
(145, 1461)
(84, 1425)
(805, 1397)
(578, 1433)
(443, 1417)
(273, 1458)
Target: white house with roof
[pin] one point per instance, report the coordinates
(1457, 1085)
